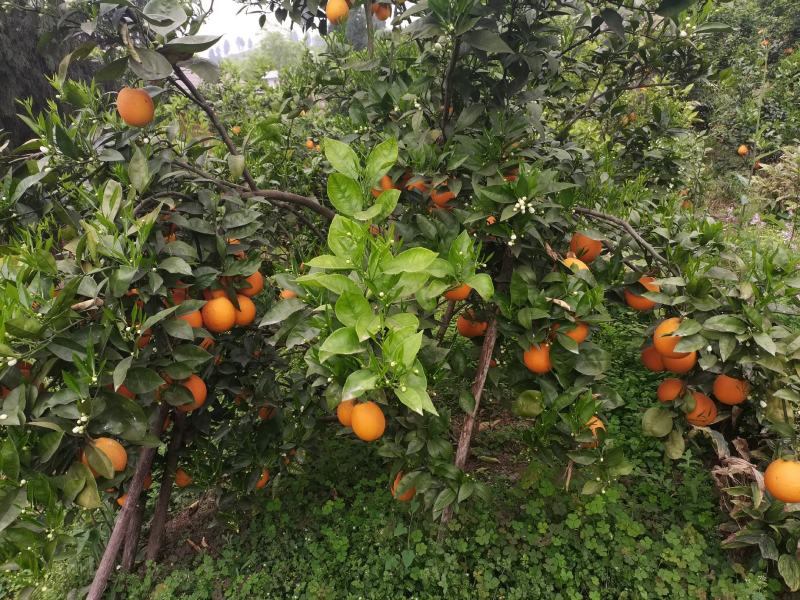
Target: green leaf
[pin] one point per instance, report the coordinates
(789, 568)
(383, 207)
(345, 194)
(178, 328)
(98, 461)
(357, 383)
(139, 170)
(481, 283)
(120, 280)
(592, 360)
(141, 380)
(12, 501)
(48, 445)
(380, 160)
(281, 311)
(9, 460)
(121, 371)
(673, 8)
(328, 261)
(351, 307)
(402, 321)
(342, 341)
(727, 345)
(334, 282)
(164, 16)
(175, 265)
(766, 342)
(153, 65)
(489, 41)
(112, 199)
(674, 445)
(411, 261)
(190, 44)
(466, 401)
(725, 324)
(346, 239)
(89, 498)
(445, 498)
(657, 421)
(614, 21)
(342, 158)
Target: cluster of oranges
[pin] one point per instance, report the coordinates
(337, 10)
(366, 419)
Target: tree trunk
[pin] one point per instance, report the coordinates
(132, 536)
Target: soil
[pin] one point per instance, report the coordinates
(192, 531)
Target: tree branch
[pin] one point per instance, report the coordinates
(448, 86)
(446, 318)
(291, 198)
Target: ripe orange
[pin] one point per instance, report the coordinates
(491, 220)
(441, 198)
(537, 358)
(579, 332)
(286, 294)
(381, 11)
(256, 284)
(114, 451)
(199, 392)
(743, 150)
(194, 318)
(310, 144)
(182, 478)
(680, 365)
(240, 255)
(236, 130)
(782, 479)
(263, 479)
(209, 294)
(637, 302)
(405, 496)
(594, 424)
(574, 262)
(247, 311)
(385, 184)
(458, 293)
(704, 412)
(664, 341)
(730, 390)
(344, 412)
(124, 391)
(266, 413)
(135, 106)
(584, 247)
(652, 360)
(178, 295)
(420, 186)
(219, 315)
(367, 421)
(121, 500)
(336, 10)
(670, 389)
(469, 328)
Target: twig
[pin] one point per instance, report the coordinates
(446, 318)
(370, 28)
(448, 86)
(291, 198)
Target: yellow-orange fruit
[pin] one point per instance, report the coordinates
(704, 412)
(469, 328)
(458, 293)
(743, 150)
(681, 365)
(262, 481)
(386, 183)
(199, 392)
(537, 359)
(182, 478)
(664, 341)
(256, 284)
(336, 10)
(730, 390)
(579, 332)
(114, 451)
(219, 315)
(310, 144)
(135, 106)
(344, 412)
(367, 421)
(637, 302)
(574, 262)
(286, 294)
(194, 318)
(670, 389)
(652, 359)
(247, 311)
(405, 496)
(584, 247)
(782, 480)
(121, 500)
(594, 424)
(441, 197)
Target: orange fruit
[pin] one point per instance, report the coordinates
(310, 144)
(441, 198)
(680, 365)
(219, 315)
(385, 184)
(240, 255)
(286, 294)
(458, 293)
(405, 496)
(652, 360)
(194, 318)
(121, 500)
(469, 328)
(210, 294)
(236, 130)
(578, 264)
(579, 332)
(584, 247)
(199, 392)
(124, 391)
(420, 186)
(178, 295)
(344, 412)
(263, 479)
(135, 106)
(182, 478)
(336, 10)
(256, 284)
(782, 479)
(367, 421)
(730, 390)
(743, 150)
(381, 11)
(594, 424)
(317, 148)
(114, 451)
(670, 389)
(704, 412)
(491, 220)
(663, 340)
(266, 413)
(537, 358)
(637, 302)
(247, 311)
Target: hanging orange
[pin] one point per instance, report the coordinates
(537, 358)
(782, 480)
(199, 392)
(664, 341)
(680, 365)
(652, 360)
(670, 389)
(344, 412)
(704, 412)
(458, 293)
(114, 451)
(405, 496)
(637, 302)
(247, 311)
(263, 479)
(729, 390)
(219, 315)
(194, 319)
(367, 421)
(182, 478)
(135, 106)
(584, 247)
(255, 284)
(470, 328)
